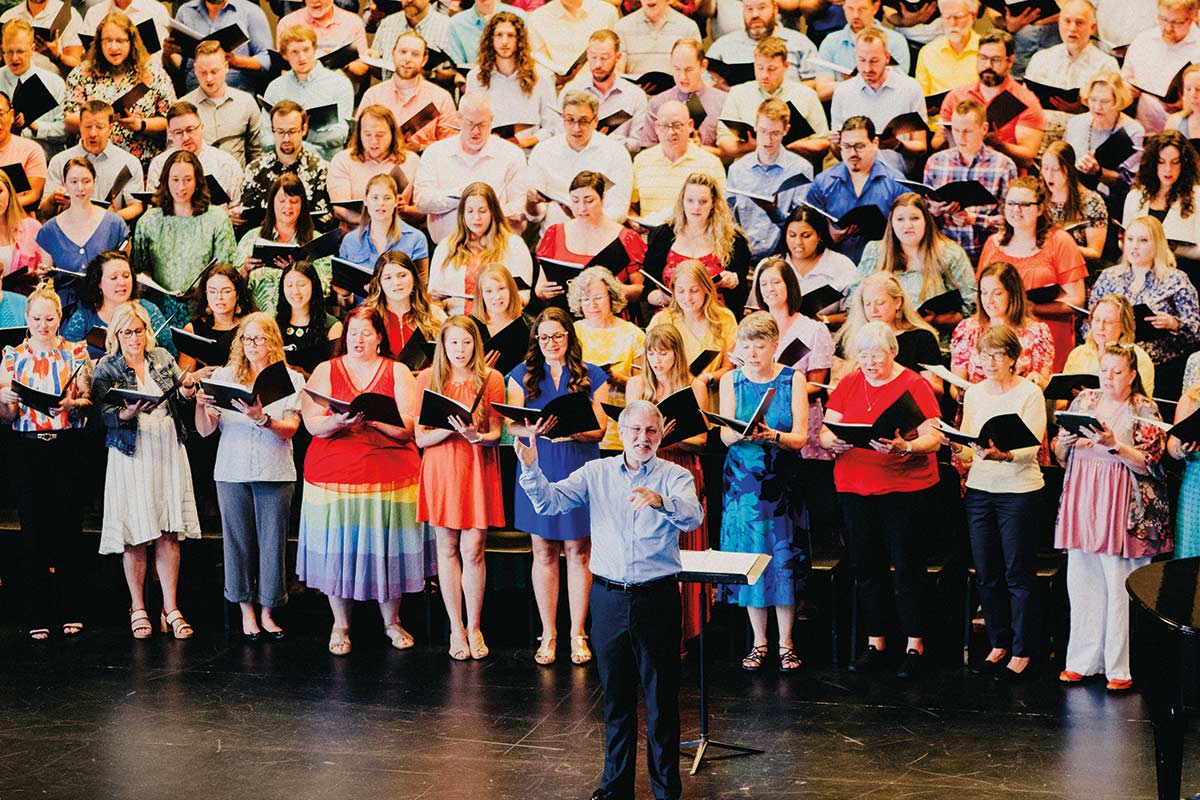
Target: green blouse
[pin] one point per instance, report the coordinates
(264, 281)
(175, 250)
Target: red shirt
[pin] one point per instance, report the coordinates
(866, 472)
(1030, 117)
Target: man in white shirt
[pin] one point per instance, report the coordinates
(1156, 55)
(96, 119)
(554, 163)
(449, 165)
(231, 117)
(1069, 65)
(18, 47)
(620, 100)
(64, 52)
(759, 21)
(649, 34)
(560, 29)
(185, 131)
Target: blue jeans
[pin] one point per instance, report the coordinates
(1003, 529)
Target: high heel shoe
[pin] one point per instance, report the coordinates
(580, 652)
(139, 624)
(176, 625)
(479, 648)
(460, 649)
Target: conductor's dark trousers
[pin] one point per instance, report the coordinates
(635, 635)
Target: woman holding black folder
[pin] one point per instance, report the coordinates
(44, 466)
(398, 293)
(384, 229)
(222, 299)
(1105, 95)
(554, 367)
(884, 486)
(1168, 189)
(1111, 321)
(24, 262)
(1003, 500)
(461, 510)
(309, 331)
(1166, 306)
(109, 283)
(1113, 516)
(809, 250)
(1074, 207)
(148, 497)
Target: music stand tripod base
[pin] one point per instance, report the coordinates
(704, 742)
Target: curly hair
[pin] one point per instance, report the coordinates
(245, 300)
(1044, 222)
(238, 363)
(526, 67)
(535, 362)
(1183, 189)
(138, 60)
(720, 226)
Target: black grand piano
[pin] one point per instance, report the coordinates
(1165, 657)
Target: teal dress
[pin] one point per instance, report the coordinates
(759, 515)
(1187, 512)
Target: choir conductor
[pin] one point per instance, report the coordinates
(638, 506)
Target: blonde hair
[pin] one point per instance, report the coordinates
(907, 318)
(122, 315)
(441, 371)
(720, 226)
(296, 33)
(44, 291)
(497, 272)
(664, 337)
(1124, 314)
(1122, 96)
(591, 275)
(238, 362)
(458, 249)
(759, 325)
(13, 214)
(711, 310)
(1164, 259)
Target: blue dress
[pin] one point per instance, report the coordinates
(758, 516)
(1187, 513)
(110, 234)
(557, 460)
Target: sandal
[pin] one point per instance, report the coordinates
(580, 652)
(479, 648)
(547, 653)
(788, 660)
(176, 625)
(754, 659)
(400, 638)
(72, 628)
(139, 623)
(339, 642)
(39, 634)
(459, 650)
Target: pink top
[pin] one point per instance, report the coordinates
(1037, 349)
(445, 124)
(341, 28)
(347, 178)
(26, 255)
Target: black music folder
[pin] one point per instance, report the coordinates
(820, 300)
(574, 411)
(273, 383)
(201, 348)
(130, 397)
(1007, 432)
(511, 343)
(1064, 385)
(747, 427)
(965, 193)
(350, 276)
(944, 303)
(43, 401)
(903, 415)
(373, 406)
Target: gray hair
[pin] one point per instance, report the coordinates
(759, 325)
(639, 407)
(578, 97)
(874, 336)
(122, 315)
(972, 6)
(475, 101)
(616, 297)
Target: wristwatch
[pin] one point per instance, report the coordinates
(264, 422)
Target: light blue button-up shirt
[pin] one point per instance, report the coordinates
(358, 248)
(253, 22)
(748, 174)
(627, 546)
(738, 48)
(465, 28)
(838, 47)
(324, 86)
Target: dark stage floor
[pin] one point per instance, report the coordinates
(106, 717)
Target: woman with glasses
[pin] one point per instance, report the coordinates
(1072, 205)
(554, 367)
(116, 62)
(148, 499)
(1168, 189)
(108, 284)
(221, 301)
(1111, 321)
(607, 340)
(80, 232)
(255, 476)
(1147, 276)
(591, 238)
(1043, 256)
(1105, 95)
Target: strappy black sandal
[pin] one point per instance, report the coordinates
(754, 659)
(788, 660)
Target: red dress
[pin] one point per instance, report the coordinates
(460, 482)
(691, 540)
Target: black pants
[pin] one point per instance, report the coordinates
(636, 638)
(45, 476)
(883, 528)
(1004, 536)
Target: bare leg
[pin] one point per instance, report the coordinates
(579, 581)
(545, 583)
(390, 611)
(758, 623)
(785, 618)
(916, 643)
(450, 579)
(340, 606)
(249, 619)
(474, 575)
(134, 562)
(166, 563)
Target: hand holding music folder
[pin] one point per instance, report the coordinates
(1065, 385)
(1005, 432)
(911, 122)
(510, 343)
(1187, 430)
(1146, 332)
(679, 407)
(559, 271)
(868, 219)
(966, 193)
(44, 401)
(324, 245)
(1115, 150)
(57, 25)
(149, 402)
(419, 120)
(1058, 98)
(437, 410)
(340, 57)
(373, 406)
(31, 100)
(904, 415)
(748, 427)
(272, 384)
(350, 277)
(126, 103)
(655, 82)
(732, 73)
(574, 412)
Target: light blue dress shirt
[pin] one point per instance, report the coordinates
(358, 247)
(738, 48)
(838, 47)
(627, 546)
(324, 86)
(748, 174)
(253, 22)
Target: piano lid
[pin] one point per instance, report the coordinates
(1170, 591)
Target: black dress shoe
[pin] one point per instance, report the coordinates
(910, 667)
(251, 637)
(869, 661)
(1008, 676)
(991, 668)
(603, 794)
(273, 635)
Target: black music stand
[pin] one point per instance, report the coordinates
(715, 566)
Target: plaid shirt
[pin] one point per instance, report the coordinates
(992, 169)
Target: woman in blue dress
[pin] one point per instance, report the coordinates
(110, 282)
(1187, 512)
(758, 515)
(554, 367)
(79, 233)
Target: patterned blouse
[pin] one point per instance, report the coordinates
(1037, 350)
(264, 281)
(1173, 294)
(84, 84)
(1091, 206)
(618, 345)
(174, 250)
(49, 372)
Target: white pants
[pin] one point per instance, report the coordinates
(1099, 613)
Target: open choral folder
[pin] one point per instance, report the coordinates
(437, 410)
(1005, 431)
(574, 411)
(1065, 385)
(130, 397)
(43, 401)
(681, 407)
(373, 406)
(273, 383)
(1186, 430)
(510, 343)
(903, 415)
(722, 566)
(747, 427)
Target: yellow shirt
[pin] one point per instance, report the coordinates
(617, 346)
(940, 69)
(1085, 359)
(657, 180)
(723, 342)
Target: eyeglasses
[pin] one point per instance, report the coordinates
(557, 338)
(673, 127)
(855, 148)
(286, 131)
(476, 126)
(188, 131)
(594, 299)
(1021, 204)
(578, 122)
(131, 333)
(993, 356)
(638, 430)
(257, 341)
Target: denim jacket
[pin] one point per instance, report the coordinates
(113, 372)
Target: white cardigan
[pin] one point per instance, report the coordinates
(1174, 225)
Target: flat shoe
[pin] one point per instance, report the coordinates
(870, 660)
(754, 659)
(788, 660)
(580, 652)
(547, 652)
(911, 666)
(1119, 685)
(400, 638)
(339, 642)
(1066, 676)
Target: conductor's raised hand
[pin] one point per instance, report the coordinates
(526, 453)
(641, 497)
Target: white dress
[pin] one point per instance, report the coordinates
(149, 493)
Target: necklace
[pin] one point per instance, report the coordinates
(867, 392)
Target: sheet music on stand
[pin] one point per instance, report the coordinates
(717, 566)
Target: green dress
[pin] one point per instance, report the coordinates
(175, 250)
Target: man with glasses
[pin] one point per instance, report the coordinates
(450, 165)
(407, 94)
(23, 151)
(951, 59)
(1070, 64)
(970, 160)
(704, 103)
(638, 504)
(1018, 138)
(289, 124)
(660, 171)
(96, 119)
(231, 116)
(860, 179)
(17, 41)
(554, 163)
(617, 96)
(1156, 55)
(313, 85)
(185, 131)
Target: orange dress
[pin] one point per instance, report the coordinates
(460, 485)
